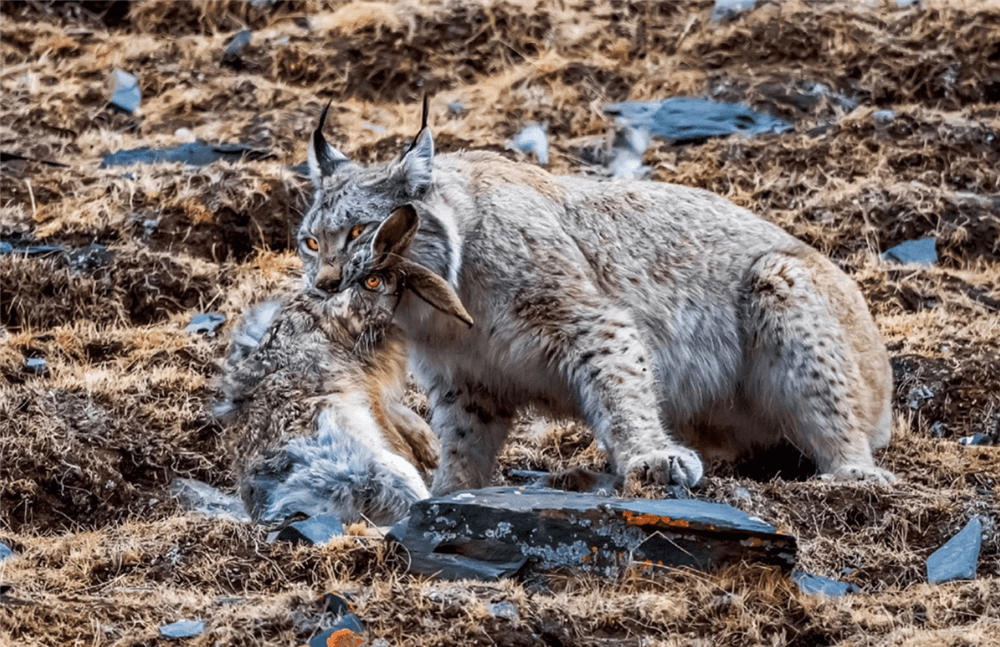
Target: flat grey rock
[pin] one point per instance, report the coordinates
(981, 440)
(957, 559)
(193, 154)
(199, 497)
(922, 251)
(126, 95)
(5, 551)
(686, 120)
(206, 323)
(183, 629)
(729, 9)
(314, 531)
(818, 585)
(347, 631)
(506, 532)
(36, 365)
(532, 139)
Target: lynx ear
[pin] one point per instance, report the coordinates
(323, 158)
(418, 162)
(435, 290)
(395, 234)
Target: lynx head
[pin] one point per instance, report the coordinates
(350, 202)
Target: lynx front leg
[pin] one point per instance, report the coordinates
(472, 427)
(611, 370)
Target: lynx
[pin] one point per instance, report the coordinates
(667, 318)
(313, 393)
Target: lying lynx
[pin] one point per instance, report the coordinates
(313, 393)
(664, 316)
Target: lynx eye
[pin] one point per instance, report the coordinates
(312, 244)
(373, 281)
(355, 231)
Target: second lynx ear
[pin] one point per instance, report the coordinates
(395, 233)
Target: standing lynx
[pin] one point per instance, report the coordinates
(664, 316)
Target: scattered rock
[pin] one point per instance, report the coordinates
(196, 153)
(503, 532)
(685, 120)
(883, 116)
(957, 559)
(7, 156)
(741, 493)
(232, 56)
(125, 92)
(337, 603)
(202, 498)
(922, 251)
(917, 395)
(627, 149)
(938, 430)
(314, 531)
(206, 323)
(503, 610)
(980, 440)
(183, 629)
(729, 9)
(89, 259)
(455, 108)
(5, 551)
(36, 365)
(532, 139)
(818, 585)
(348, 632)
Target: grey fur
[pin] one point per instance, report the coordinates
(313, 393)
(659, 314)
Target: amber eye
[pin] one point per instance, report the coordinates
(356, 231)
(312, 244)
(373, 281)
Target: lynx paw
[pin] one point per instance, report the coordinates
(673, 466)
(868, 473)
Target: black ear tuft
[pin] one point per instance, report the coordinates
(323, 158)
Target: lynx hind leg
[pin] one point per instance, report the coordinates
(813, 361)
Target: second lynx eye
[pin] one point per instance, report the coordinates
(355, 231)
(312, 244)
(373, 281)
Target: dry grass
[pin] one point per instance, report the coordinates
(89, 447)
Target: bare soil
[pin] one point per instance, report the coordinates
(90, 444)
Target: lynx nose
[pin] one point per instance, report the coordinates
(328, 280)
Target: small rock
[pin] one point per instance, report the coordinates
(532, 139)
(503, 610)
(729, 9)
(938, 430)
(337, 603)
(883, 116)
(741, 493)
(183, 629)
(348, 632)
(125, 92)
(455, 108)
(957, 559)
(980, 440)
(922, 251)
(196, 153)
(627, 149)
(686, 120)
(818, 585)
(202, 498)
(206, 323)
(232, 56)
(917, 395)
(89, 259)
(36, 365)
(5, 551)
(185, 135)
(314, 531)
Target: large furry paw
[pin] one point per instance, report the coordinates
(672, 466)
(868, 473)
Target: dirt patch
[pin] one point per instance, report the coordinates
(896, 118)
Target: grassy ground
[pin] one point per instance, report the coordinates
(90, 446)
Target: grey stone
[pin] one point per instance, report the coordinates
(976, 439)
(532, 139)
(957, 559)
(232, 56)
(337, 603)
(5, 551)
(36, 365)
(196, 153)
(506, 532)
(729, 9)
(314, 531)
(818, 585)
(202, 498)
(183, 629)
(347, 627)
(686, 120)
(883, 116)
(922, 251)
(206, 323)
(125, 92)
(503, 610)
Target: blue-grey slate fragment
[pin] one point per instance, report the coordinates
(183, 629)
(728, 9)
(125, 92)
(923, 251)
(206, 323)
(981, 440)
(532, 139)
(682, 119)
(5, 551)
(235, 47)
(337, 603)
(196, 153)
(35, 365)
(314, 531)
(818, 585)
(505, 532)
(957, 559)
(347, 627)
